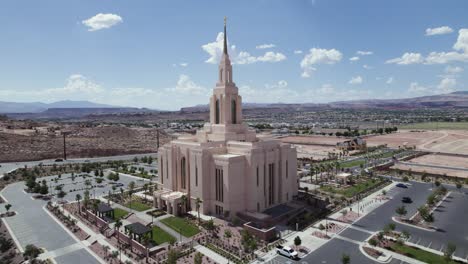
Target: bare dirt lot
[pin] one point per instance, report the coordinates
(437, 164)
(432, 170)
(313, 140)
(81, 142)
(442, 160)
(313, 151)
(449, 141)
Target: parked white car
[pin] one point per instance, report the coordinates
(287, 252)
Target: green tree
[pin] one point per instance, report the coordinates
(8, 207)
(345, 259)
(449, 250)
(297, 241)
(198, 259)
(31, 251)
(78, 199)
(373, 242)
(401, 211)
(172, 256)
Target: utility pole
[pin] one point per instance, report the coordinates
(157, 138)
(64, 146)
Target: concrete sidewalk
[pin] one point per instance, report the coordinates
(211, 254)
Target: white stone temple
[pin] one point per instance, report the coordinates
(225, 164)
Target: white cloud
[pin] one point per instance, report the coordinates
(445, 57)
(272, 57)
(186, 86)
(407, 58)
(438, 31)
(355, 58)
(361, 52)
(416, 88)
(367, 67)
(215, 50)
(279, 85)
(245, 58)
(298, 52)
(356, 80)
(389, 80)
(447, 85)
(102, 21)
(183, 64)
(462, 41)
(439, 57)
(319, 56)
(265, 46)
(453, 70)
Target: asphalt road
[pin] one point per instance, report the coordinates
(8, 166)
(450, 218)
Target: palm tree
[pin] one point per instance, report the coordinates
(312, 170)
(78, 198)
(86, 198)
(106, 250)
(146, 239)
(117, 226)
(184, 202)
(197, 205)
(145, 189)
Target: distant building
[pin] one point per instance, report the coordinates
(356, 143)
(225, 164)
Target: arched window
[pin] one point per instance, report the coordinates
(182, 173)
(217, 111)
(233, 111)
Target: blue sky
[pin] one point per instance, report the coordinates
(160, 54)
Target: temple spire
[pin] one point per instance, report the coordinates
(225, 38)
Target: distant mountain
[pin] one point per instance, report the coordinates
(37, 107)
(457, 99)
(452, 100)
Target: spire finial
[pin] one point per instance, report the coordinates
(225, 37)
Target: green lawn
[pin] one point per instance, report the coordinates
(181, 225)
(352, 163)
(420, 254)
(119, 213)
(160, 236)
(138, 206)
(437, 125)
(353, 190)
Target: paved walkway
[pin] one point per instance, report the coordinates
(211, 254)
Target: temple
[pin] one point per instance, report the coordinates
(225, 169)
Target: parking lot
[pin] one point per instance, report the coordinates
(450, 218)
(33, 225)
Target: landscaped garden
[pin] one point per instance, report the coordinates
(160, 236)
(137, 205)
(119, 213)
(352, 190)
(181, 225)
(420, 254)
